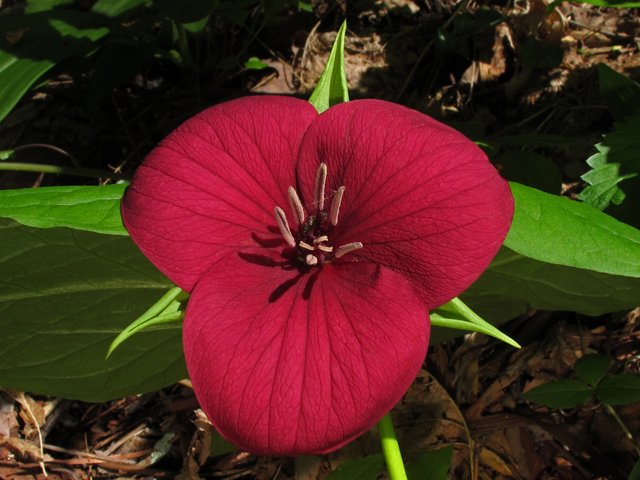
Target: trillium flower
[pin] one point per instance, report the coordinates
(313, 247)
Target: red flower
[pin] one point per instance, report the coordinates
(306, 326)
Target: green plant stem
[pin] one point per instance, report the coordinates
(623, 426)
(83, 172)
(390, 448)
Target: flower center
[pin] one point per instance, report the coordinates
(313, 239)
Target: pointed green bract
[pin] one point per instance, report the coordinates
(332, 87)
(170, 308)
(455, 314)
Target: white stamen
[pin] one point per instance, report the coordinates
(349, 247)
(323, 238)
(318, 193)
(296, 206)
(324, 248)
(311, 260)
(335, 206)
(306, 246)
(283, 225)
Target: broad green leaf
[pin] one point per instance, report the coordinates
(565, 393)
(431, 465)
(6, 154)
(365, 468)
(621, 94)
(514, 282)
(332, 87)
(66, 295)
(539, 140)
(256, 64)
(34, 6)
(50, 37)
(96, 209)
(532, 170)
(593, 367)
(455, 314)
(170, 308)
(620, 389)
(220, 445)
(186, 11)
(561, 231)
(615, 173)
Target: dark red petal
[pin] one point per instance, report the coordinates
(423, 199)
(288, 362)
(213, 183)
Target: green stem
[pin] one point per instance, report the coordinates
(83, 172)
(623, 426)
(390, 448)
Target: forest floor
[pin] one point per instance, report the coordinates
(495, 71)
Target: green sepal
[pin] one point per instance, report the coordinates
(455, 314)
(332, 87)
(170, 308)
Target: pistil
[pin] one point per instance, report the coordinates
(313, 238)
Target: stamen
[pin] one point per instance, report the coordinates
(323, 238)
(324, 248)
(296, 206)
(283, 225)
(306, 246)
(349, 247)
(318, 193)
(311, 260)
(335, 206)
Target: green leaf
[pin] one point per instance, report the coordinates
(620, 389)
(66, 295)
(186, 11)
(565, 393)
(34, 6)
(593, 367)
(532, 170)
(170, 308)
(611, 3)
(620, 93)
(539, 140)
(115, 8)
(50, 37)
(431, 465)
(256, 64)
(455, 314)
(95, 209)
(561, 231)
(366, 468)
(220, 445)
(616, 168)
(514, 282)
(332, 87)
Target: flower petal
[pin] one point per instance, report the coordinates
(423, 199)
(286, 361)
(213, 183)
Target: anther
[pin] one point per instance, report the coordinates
(335, 206)
(324, 248)
(318, 193)
(349, 247)
(311, 260)
(321, 239)
(281, 219)
(306, 246)
(296, 206)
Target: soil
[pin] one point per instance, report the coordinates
(487, 69)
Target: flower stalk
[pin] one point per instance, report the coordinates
(390, 449)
